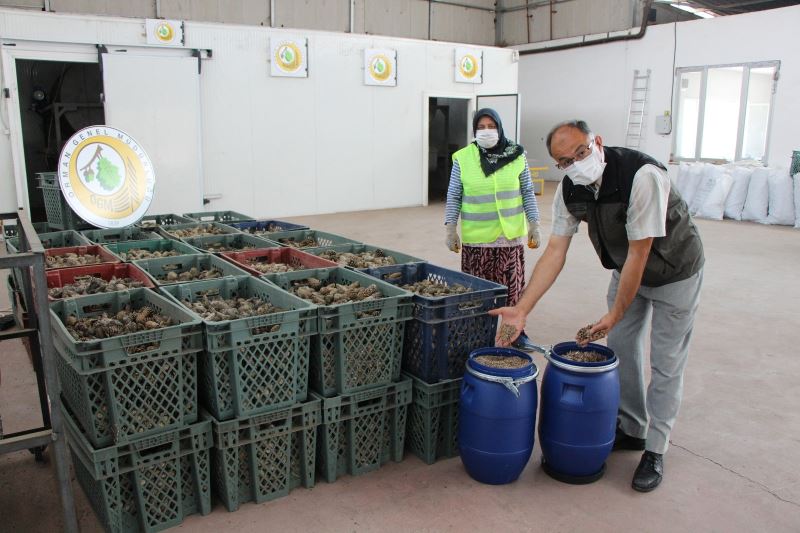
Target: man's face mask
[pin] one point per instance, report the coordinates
(587, 170)
(486, 138)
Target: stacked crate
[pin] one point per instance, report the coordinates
(130, 402)
(355, 373)
(140, 451)
(253, 382)
(438, 341)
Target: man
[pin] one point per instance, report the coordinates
(641, 229)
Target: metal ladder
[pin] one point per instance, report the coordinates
(637, 111)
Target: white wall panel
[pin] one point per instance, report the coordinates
(253, 12)
(33, 4)
(398, 18)
(328, 15)
(126, 8)
(460, 24)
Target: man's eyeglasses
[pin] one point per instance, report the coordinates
(580, 154)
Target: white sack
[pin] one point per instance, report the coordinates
(755, 205)
(693, 177)
(708, 179)
(714, 205)
(797, 200)
(740, 176)
(781, 198)
(682, 178)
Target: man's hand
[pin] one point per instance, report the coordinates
(513, 322)
(599, 329)
(534, 234)
(452, 241)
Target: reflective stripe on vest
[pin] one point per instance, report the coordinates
(491, 206)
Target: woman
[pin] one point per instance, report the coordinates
(490, 187)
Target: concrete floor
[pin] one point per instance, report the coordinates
(732, 466)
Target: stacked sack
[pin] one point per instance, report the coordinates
(742, 191)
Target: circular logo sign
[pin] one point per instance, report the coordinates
(380, 68)
(288, 57)
(106, 177)
(164, 32)
(468, 66)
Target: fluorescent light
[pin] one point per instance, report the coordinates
(702, 13)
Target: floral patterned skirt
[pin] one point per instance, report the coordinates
(504, 265)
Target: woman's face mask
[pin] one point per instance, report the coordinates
(589, 170)
(486, 138)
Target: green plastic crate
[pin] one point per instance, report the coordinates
(157, 244)
(263, 457)
(221, 229)
(400, 258)
(233, 242)
(166, 219)
(219, 216)
(114, 235)
(247, 368)
(362, 431)
(148, 485)
(52, 239)
(360, 344)
(323, 239)
(59, 214)
(133, 385)
(432, 431)
(158, 268)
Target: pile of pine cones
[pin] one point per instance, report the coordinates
(93, 285)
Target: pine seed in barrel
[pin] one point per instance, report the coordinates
(584, 356)
(502, 361)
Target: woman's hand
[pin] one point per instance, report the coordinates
(452, 241)
(534, 234)
(513, 322)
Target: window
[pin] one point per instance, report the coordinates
(723, 112)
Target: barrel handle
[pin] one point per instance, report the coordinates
(508, 382)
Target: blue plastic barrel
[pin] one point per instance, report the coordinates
(578, 418)
(497, 417)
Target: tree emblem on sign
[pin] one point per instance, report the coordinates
(164, 32)
(289, 57)
(107, 173)
(380, 68)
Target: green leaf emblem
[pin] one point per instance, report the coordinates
(108, 174)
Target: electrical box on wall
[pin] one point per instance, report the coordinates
(664, 124)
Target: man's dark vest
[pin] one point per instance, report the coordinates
(675, 257)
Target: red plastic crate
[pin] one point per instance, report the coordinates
(105, 255)
(289, 256)
(64, 276)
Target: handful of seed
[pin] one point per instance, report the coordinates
(507, 332)
(197, 231)
(71, 260)
(270, 268)
(193, 274)
(140, 253)
(93, 285)
(502, 361)
(583, 356)
(219, 309)
(431, 288)
(125, 321)
(583, 334)
(233, 246)
(308, 242)
(373, 259)
(328, 293)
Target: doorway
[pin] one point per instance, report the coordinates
(56, 99)
(448, 130)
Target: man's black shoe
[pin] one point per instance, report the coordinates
(626, 442)
(649, 473)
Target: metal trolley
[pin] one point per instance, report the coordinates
(31, 310)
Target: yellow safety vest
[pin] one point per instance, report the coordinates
(491, 205)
